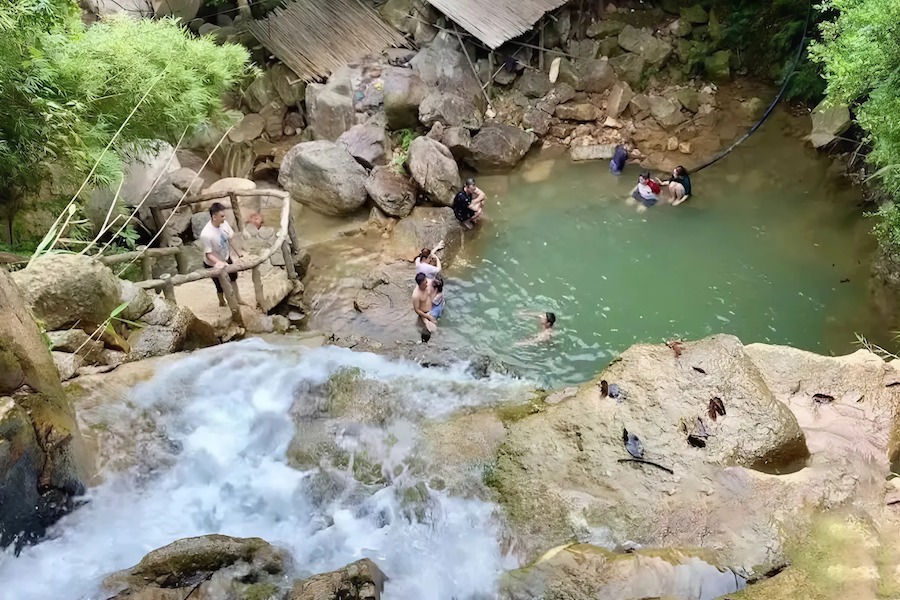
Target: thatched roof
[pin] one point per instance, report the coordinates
(315, 37)
(496, 21)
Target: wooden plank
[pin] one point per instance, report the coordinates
(168, 288)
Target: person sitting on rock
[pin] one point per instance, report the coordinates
(422, 305)
(468, 205)
(646, 192)
(679, 186)
(216, 238)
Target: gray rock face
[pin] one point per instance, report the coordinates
(654, 51)
(323, 176)
(666, 111)
(630, 67)
(329, 107)
(368, 144)
(533, 84)
(499, 146)
(404, 91)
(433, 167)
(449, 110)
(442, 66)
(261, 92)
(586, 75)
(139, 301)
(67, 364)
(392, 193)
(689, 99)
(458, 140)
(619, 97)
(62, 289)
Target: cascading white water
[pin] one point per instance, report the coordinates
(225, 414)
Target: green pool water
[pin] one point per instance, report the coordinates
(772, 248)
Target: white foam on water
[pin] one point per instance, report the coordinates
(227, 410)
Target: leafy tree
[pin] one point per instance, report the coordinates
(860, 56)
(66, 89)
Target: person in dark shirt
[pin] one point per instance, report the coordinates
(679, 186)
(620, 157)
(468, 205)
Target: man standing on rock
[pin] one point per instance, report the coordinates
(422, 305)
(468, 205)
(216, 237)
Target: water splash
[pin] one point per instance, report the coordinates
(224, 416)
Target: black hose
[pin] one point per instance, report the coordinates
(784, 85)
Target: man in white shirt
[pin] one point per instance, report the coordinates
(216, 238)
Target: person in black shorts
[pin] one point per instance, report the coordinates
(468, 205)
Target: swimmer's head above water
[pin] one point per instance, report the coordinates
(548, 320)
(470, 185)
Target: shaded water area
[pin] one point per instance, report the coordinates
(773, 248)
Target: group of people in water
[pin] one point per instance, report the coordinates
(646, 192)
(468, 207)
(428, 295)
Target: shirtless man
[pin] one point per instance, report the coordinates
(421, 300)
(468, 205)
(547, 319)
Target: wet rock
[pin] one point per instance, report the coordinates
(695, 14)
(595, 152)
(325, 177)
(619, 96)
(362, 580)
(652, 50)
(63, 289)
(499, 147)
(392, 192)
(828, 122)
(450, 110)
(718, 66)
(76, 341)
(233, 567)
(21, 463)
(605, 28)
(329, 107)
(404, 91)
(424, 228)
(586, 75)
(582, 112)
(533, 83)
(433, 167)
(666, 111)
(630, 67)
(368, 144)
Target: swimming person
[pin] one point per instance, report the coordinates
(421, 301)
(547, 319)
(437, 298)
(468, 205)
(679, 186)
(620, 157)
(646, 192)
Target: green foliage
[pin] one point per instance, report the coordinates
(402, 139)
(66, 89)
(860, 57)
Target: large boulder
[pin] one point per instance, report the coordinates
(605, 28)
(330, 107)
(404, 91)
(424, 228)
(65, 289)
(21, 462)
(443, 67)
(499, 146)
(450, 110)
(654, 51)
(361, 580)
(578, 111)
(458, 141)
(248, 128)
(587, 75)
(290, 88)
(323, 176)
(828, 122)
(666, 111)
(433, 167)
(630, 67)
(537, 120)
(619, 96)
(169, 328)
(392, 192)
(533, 83)
(367, 143)
(213, 566)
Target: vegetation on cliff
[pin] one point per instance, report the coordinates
(76, 100)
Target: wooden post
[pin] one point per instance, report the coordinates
(146, 268)
(541, 44)
(490, 83)
(228, 292)
(258, 288)
(168, 288)
(288, 261)
(236, 207)
(182, 259)
(292, 233)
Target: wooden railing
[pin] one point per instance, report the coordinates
(284, 240)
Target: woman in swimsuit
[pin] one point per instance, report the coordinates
(437, 300)
(679, 186)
